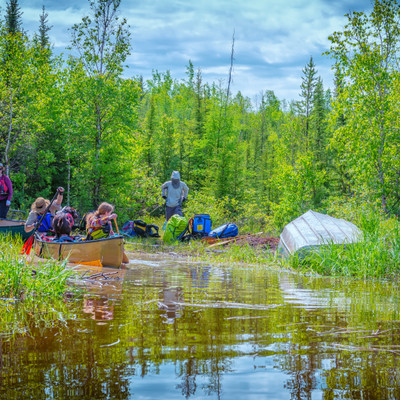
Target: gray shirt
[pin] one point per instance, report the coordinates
(174, 195)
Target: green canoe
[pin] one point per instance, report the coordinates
(13, 227)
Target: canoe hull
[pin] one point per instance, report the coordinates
(313, 230)
(108, 251)
(13, 227)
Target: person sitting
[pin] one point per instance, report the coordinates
(98, 224)
(62, 224)
(6, 192)
(38, 208)
(72, 215)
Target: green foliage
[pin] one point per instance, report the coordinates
(366, 60)
(80, 125)
(20, 279)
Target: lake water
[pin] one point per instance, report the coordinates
(171, 329)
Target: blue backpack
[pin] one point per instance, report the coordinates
(128, 230)
(224, 231)
(201, 224)
(139, 228)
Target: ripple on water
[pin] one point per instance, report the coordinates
(174, 329)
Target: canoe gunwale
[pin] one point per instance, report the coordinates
(14, 227)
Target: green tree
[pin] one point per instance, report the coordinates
(13, 20)
(308, 84)
(14, 71)
(43, 36)
(366, 57)
(103, 43)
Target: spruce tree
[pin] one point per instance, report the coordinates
(319, 123)
(13, 22)
(44, 28)
(308, 84)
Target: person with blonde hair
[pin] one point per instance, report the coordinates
(98, 224)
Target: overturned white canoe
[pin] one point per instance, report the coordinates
(312, 230)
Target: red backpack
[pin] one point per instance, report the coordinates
(3, 186)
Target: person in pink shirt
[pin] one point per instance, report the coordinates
(6, 192)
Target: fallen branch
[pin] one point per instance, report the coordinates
(100, 274)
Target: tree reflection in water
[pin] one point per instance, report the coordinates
(183, 331)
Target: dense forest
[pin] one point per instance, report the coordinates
(75, 121)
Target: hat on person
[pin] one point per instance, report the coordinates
(40, 204)
(176, 175)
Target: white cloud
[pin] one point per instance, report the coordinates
(273, 40)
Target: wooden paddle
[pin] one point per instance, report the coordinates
(26, 248)
(125, 258)
(116, 226)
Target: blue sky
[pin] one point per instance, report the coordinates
(274, 39)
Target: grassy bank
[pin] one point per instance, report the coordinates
(32, 295)
(375, 255)
(21, 279)
(199, 251)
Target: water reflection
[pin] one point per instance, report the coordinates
(200, 275)
(173, 330)
(99, 308)
(171, 297)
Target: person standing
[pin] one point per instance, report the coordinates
(6, 192)
(174, 192)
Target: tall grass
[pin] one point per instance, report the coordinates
(376, 254)
(20, 279)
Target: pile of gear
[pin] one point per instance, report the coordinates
(181, 228)
(177, 226)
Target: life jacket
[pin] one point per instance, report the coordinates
(99, 232)
(47, 223)
(3, 186)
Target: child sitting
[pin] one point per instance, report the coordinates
(62, 224)
(72, 215)
(98, 223)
